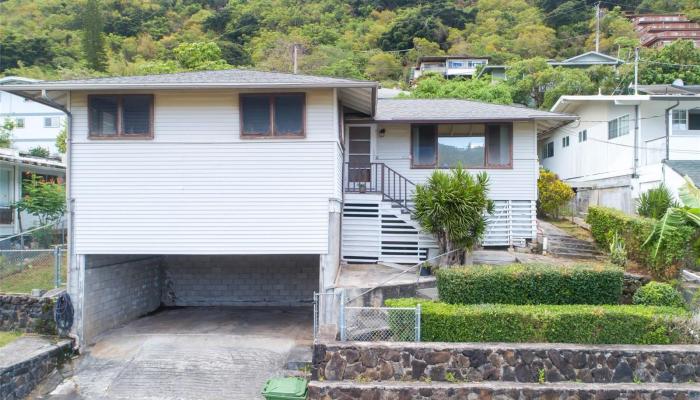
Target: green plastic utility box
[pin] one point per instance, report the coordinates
(285, 389)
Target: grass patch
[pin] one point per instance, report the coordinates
(8, 337)
(32, 277)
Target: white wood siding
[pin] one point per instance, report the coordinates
(197, 188)
(518, 183)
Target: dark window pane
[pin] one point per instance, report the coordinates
(103, 115)
(256, 115)
(424, 150)
(499, 144)
(289, 115)
(136, 114)
(694, 120)
(465, 150)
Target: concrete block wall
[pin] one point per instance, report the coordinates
(119, 289)
(223, 280)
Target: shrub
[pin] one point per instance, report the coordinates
(654, 203)
(39, 151)
(530, 284)
(658, 294)
(453, 207)
(635, 231)
(591, 324)
(552, 194)
(618, 251)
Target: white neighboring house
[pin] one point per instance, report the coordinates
(243, 187)
(624, 145)
(35, 124)
(449, 66)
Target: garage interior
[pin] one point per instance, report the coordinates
(121, 288)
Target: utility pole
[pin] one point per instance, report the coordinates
(636, 69)
(597, 27)
(294, 57)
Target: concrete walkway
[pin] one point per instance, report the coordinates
(190, 353)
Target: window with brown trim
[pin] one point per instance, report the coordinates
(273, 115)
(123, 116)
(469, 145)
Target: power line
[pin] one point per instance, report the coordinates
(645, 147)
(671, 64)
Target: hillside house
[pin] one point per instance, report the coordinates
(241, 187)
(449, 66)
(624, 145)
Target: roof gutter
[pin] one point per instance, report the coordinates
(668, 128)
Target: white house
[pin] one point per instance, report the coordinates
(242, 187)
(449, 66)
(624, 145)
(36, 125)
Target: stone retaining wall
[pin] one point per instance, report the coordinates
(448, 391)
(631, 283)
(383, 361)
(23, 372)
(27, 314)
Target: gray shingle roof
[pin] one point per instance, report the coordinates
(222, 78)
(457, 110)
(686, 167)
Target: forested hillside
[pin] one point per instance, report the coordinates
(375, 39)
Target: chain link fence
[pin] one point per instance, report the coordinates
(365, 324)
(34, 259)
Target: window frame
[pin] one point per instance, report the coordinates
(565, 141)
(120, 135)
(51, 119)
(19, 125)
(545, 150)
(271, 104)
(617, 127)
(486, 165)
(583, 135)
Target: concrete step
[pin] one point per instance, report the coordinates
(430, 293)
(350, 390)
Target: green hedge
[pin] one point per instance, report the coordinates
(603, 324)
(635, 231)
(658, 294)
(530, 284)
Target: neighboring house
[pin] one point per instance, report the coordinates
(242, 187)
(585, 60)
(36, 125)
(14, 170)
(659, 30)
(449, 66)
(624, 145)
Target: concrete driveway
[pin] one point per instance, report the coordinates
(191, 353)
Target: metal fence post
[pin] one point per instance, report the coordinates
(342, 316)
(316, 296)
(418, 310)
(57, 266)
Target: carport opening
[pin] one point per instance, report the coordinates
(121, 288)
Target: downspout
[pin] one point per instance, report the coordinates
(636, 142)
(668, 129)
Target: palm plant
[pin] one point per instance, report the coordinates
(675, 217)
(654, 203)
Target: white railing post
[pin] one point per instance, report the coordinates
(342, 317)
(418, 312)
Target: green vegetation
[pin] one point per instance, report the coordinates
(8, 337)
(375, 39)
(654, 202)
(618, 250)
(44, 199)
(452, 206)
(658, 294)
(6, 133)
(530, 284)
(594, 324)
(39, 151)
(553, 194)
(35, 276)
(635, 231)
(437, 87)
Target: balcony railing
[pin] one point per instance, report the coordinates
(380, 179)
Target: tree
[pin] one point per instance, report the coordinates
(675, 217)
(654, 202)
(93, 36)
(614, 26)
(552, 194)
(200, 56)
(62, 139)
(679, 60)
(44, 199)
(436, 87)
(383, 66)
(453, 207)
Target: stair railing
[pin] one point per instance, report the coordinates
(382, 179)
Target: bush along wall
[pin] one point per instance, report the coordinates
(634, 231)
(592, 324)
(531, 284)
